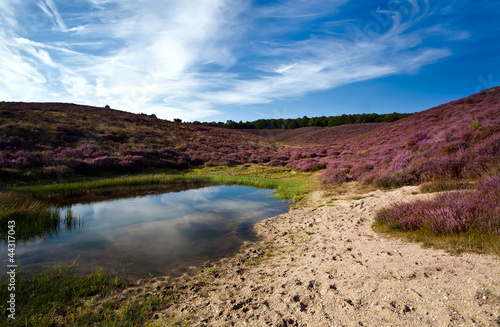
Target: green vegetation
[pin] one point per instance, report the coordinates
(32, 217)
(286, 182)
(446, 185)
(105, 185)
(475, 125)
(289, 183)
(357, 197)
(305, 121)
(61, 297)
(451, 242)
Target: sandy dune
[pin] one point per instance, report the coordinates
(324, 266)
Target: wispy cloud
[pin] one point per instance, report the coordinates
(188, 58)
(50, 9)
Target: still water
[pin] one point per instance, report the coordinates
(154, 234)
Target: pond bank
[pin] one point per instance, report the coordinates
(324, 266)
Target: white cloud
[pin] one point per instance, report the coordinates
(186, 58)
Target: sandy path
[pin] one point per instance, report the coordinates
(324, 266)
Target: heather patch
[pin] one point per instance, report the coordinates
(473, 212)
(457, 140)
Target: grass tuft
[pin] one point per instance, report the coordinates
(62, 297)
(446, 185)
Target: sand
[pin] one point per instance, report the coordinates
(322, 265)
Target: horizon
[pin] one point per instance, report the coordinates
(248, 60)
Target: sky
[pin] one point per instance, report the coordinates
(218, 60)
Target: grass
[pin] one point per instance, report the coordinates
(62, 297)
(356, 197)
(288, 186)
(32, 217)
(451, 242)
(446, 185)
(105, 185)
(291, 184)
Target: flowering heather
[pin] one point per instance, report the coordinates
(460, 139)
(41, 140)
(451, 212)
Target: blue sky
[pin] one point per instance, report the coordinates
(246, 60)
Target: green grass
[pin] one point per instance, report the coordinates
(291, 188)
(452, 243)
(359, 197)
(32, 217)
(291, 184)
(446, 185)
(62, 297)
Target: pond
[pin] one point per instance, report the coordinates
(158, 234)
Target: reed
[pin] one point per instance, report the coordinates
(33, 218)
(52, 191)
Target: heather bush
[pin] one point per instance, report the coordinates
(394, 179)
(402, 160)
(334, 176)
(452, 212)
(312, 166)
(361, 169)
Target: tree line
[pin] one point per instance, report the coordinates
(292, 123)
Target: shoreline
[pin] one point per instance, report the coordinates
(322, 265)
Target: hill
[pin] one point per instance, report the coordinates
(326, 136)
(460, 139)
(55, 140)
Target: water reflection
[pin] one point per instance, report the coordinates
(157, 234)
(35, 228)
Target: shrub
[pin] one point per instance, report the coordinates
(334, 176)
(451, 212)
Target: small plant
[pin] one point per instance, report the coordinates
(211, 270)
(475, 125)
(356, 197)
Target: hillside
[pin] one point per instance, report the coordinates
(326, 136)
(460, 139)
(51, 141)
